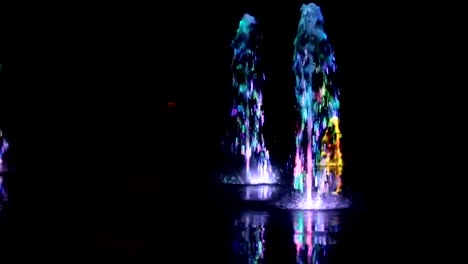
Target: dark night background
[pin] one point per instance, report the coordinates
(97, 81)
(89, 87)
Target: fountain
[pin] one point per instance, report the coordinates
(318, 159)
(247, 140)
(3, 168)
(3, 148)
(3, 193)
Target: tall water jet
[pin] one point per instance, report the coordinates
(318, 134)
(247, 80)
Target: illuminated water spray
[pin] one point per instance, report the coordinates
(3, 193)
(318, 134)
(248, 79)
(3, 146)
(3, 149)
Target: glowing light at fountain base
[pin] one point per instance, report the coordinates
(252, 179)
(256, 179)
(317, 202)
(262, 192)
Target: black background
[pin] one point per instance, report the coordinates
(89, 84)
(101, 78)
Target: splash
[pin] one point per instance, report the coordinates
(329, 178)
(312, 235)
(318, 134)
(247, 111)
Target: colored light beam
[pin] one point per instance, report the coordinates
(318, 134)
(248, 79)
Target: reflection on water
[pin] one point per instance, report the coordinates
(312, 234)
(249, 240)
(259, 192)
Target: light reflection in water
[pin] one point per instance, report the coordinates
(313, 236)
(259, 192)
(312, 230)
(249, 242)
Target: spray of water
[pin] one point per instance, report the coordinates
(318, 134)
(3, 146)
(248, 79)
(329, 179)
(3, 193)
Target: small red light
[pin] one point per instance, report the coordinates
(171, 105)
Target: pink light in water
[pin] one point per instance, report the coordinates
(309, 173)
(309, 236)
(298, 167)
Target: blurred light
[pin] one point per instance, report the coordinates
(171, 105)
